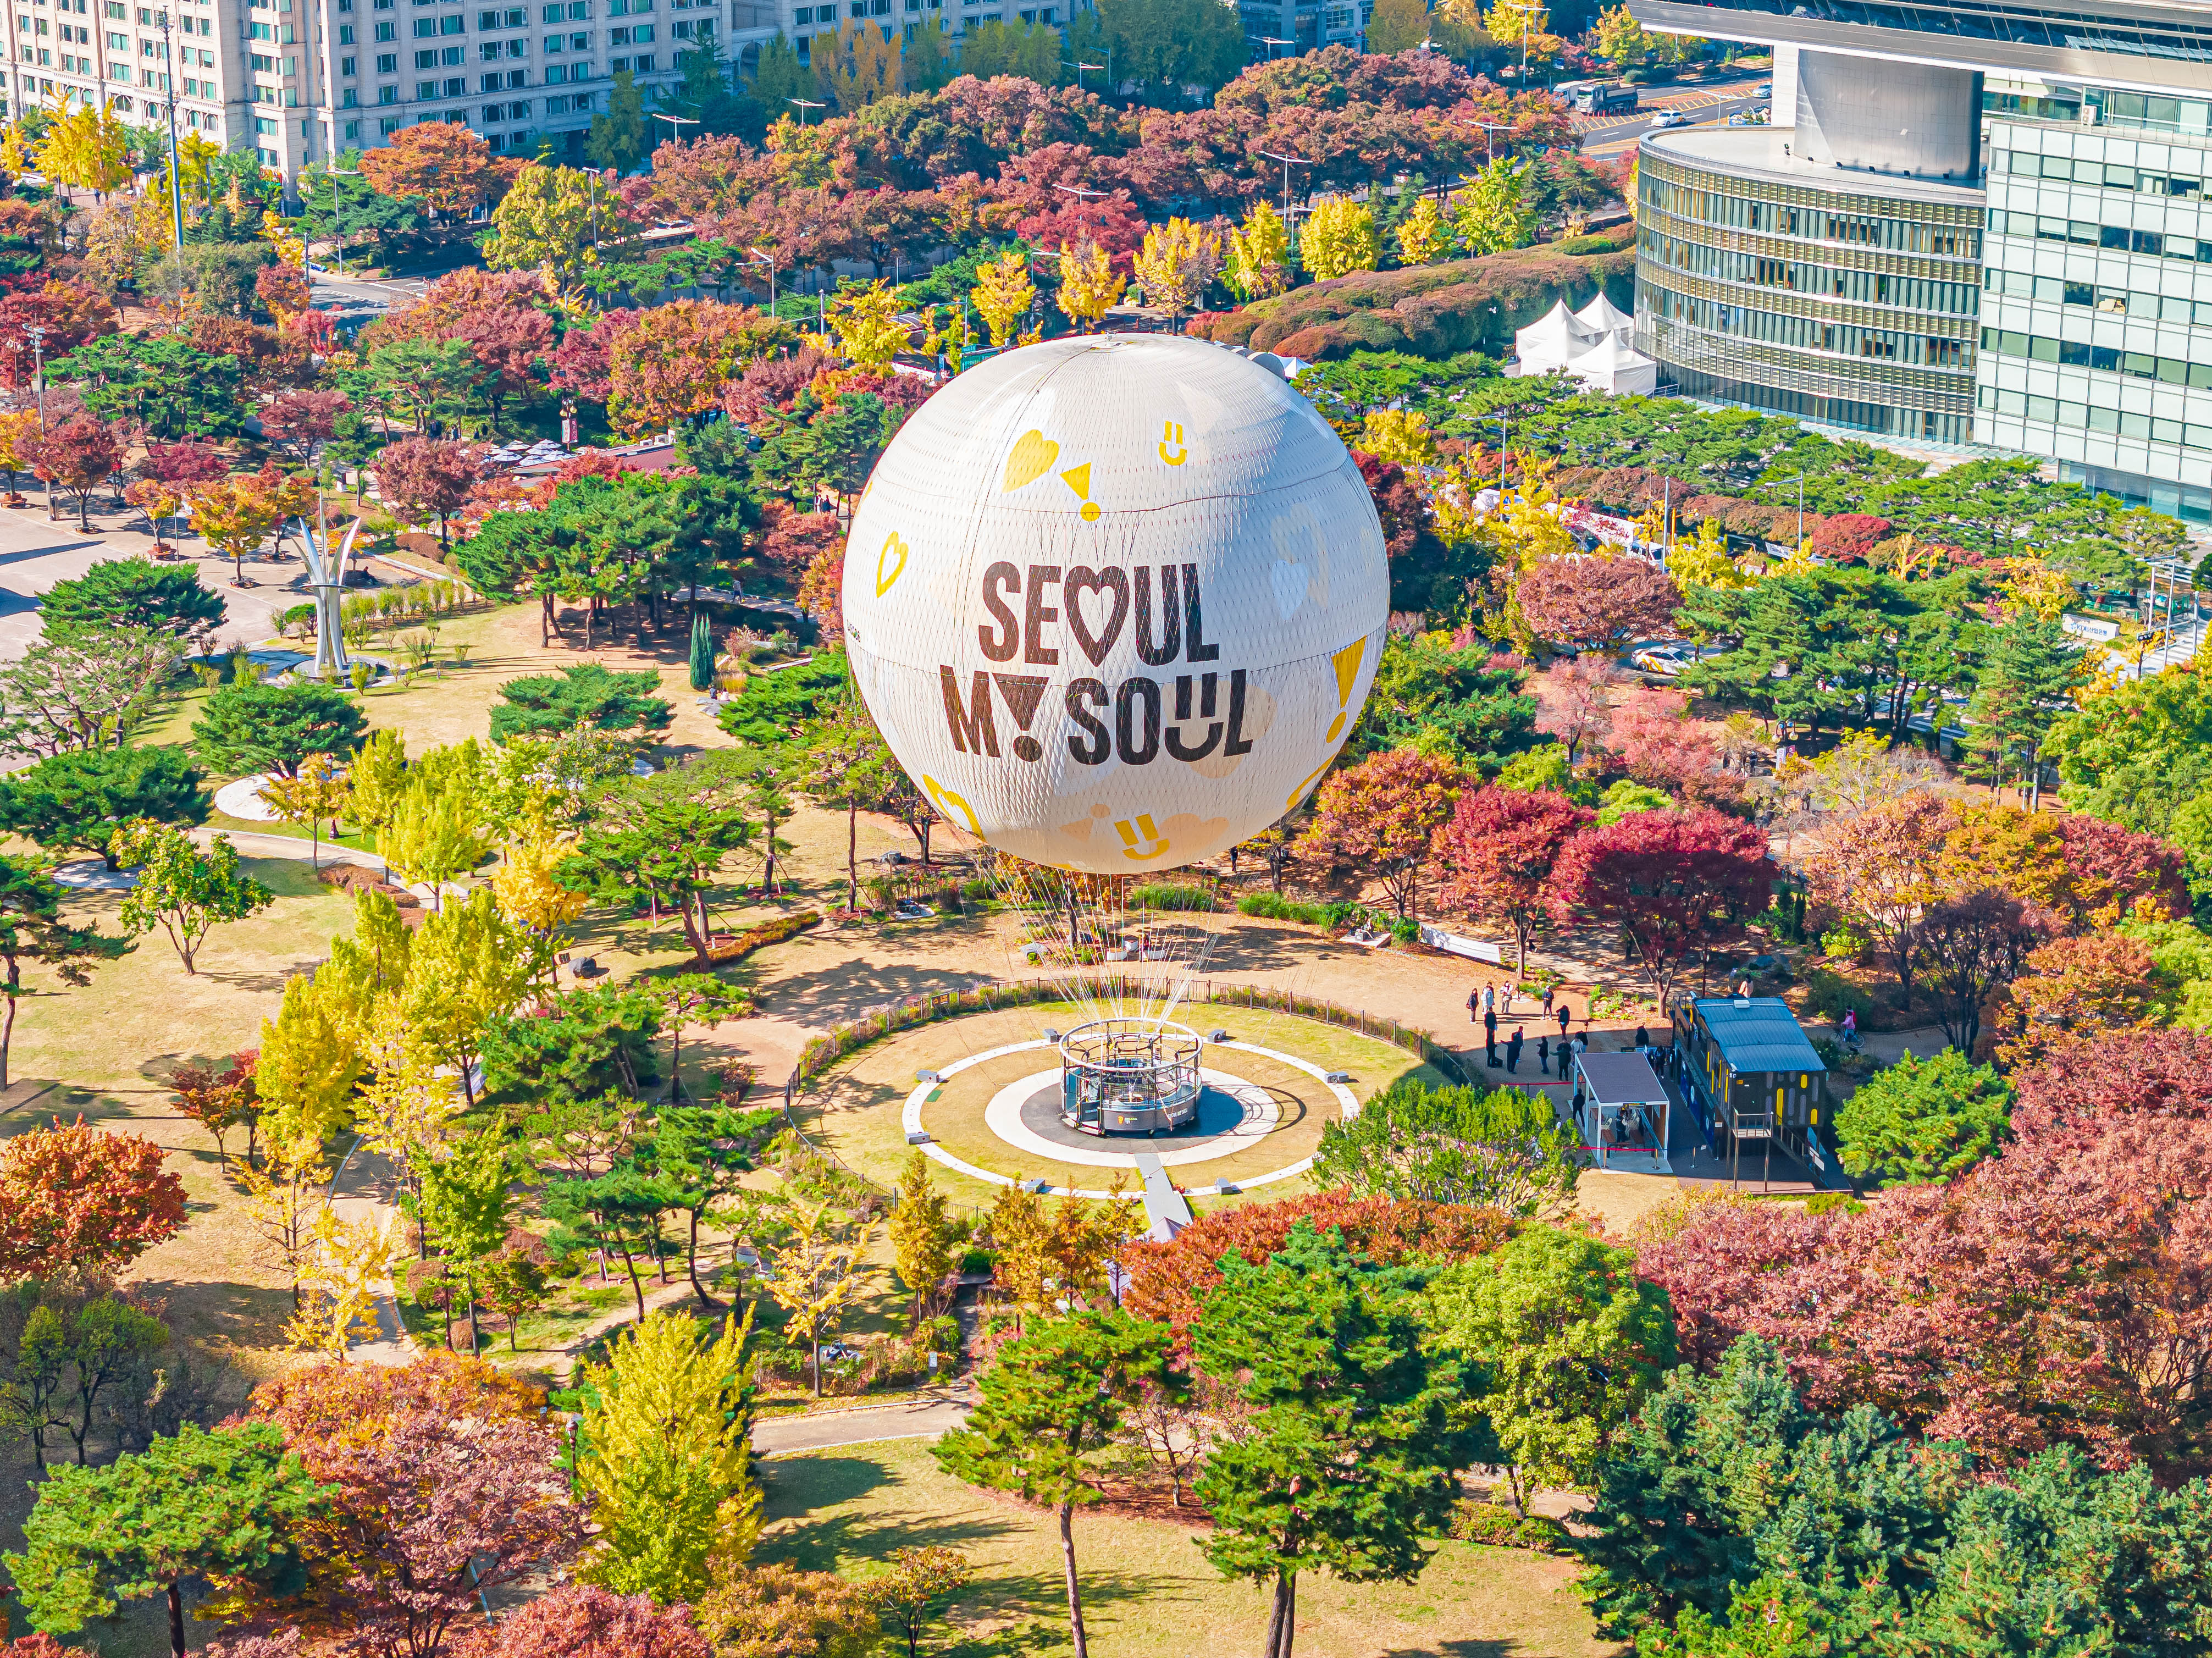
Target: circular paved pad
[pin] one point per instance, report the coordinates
(1026, 1115)
(1232, 1114)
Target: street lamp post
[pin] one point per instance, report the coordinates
(762, 258)
(1078, 69)
(679, 122)
(804, 104)
(1288, 161)
(1271, 42)
(1499, 421)
(337, 218)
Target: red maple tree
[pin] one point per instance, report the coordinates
(74, 458)
(1672, 883)
(1596, 601)
(1498, 852)
(578, 1620)
(426, 478)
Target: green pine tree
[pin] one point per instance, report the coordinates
(1356, 1434)
(617, 137)
(1050, 1404)
(220, 1505)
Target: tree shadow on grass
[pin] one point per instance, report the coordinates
(1475, 1647)
(843, 992)
(232, 1314)
(262, 980)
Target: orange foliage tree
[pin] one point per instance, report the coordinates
(674, 362)
(446, 166)
(78, 1199)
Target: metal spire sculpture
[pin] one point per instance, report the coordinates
(326, 573)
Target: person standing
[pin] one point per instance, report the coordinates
(1544, 1055)
(1565, 1014)
(1489, 1038)
(1474, 1005)
(1490, 999)
(1643, 1040)
(1548, 993)
(1513, 1052)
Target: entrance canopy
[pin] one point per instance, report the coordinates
(1624, 1116)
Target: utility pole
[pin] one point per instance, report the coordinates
(176, 174)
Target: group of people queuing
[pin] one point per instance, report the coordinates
(1487, 1005)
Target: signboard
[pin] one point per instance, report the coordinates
(1459, 945)
(2084, 627)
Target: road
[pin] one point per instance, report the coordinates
(1708, 107)
(822, 1430)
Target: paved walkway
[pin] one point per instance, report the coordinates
(925, 1418)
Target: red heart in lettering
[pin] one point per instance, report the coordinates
(1083, 579)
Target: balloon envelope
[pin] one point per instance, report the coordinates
(1115, 602)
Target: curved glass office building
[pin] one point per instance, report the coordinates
(1980, 220)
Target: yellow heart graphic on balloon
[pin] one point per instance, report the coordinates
(884, 579)
(1031, 458)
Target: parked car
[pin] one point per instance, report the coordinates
(1667, 118)
(1665, 661)
(1764, 89)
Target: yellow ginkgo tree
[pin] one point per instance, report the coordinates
(87, 149)
(1258, 254)
(869, 331)
(1177, 264)
(1089, 286)
(1003, 292)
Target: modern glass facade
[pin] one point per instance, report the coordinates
(2097, 313)
(1847, 297)
(2056, 159)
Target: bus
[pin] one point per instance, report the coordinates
(1593, 98)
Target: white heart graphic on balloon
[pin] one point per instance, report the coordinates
(1291, 583)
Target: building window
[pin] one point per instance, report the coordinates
(264, 127)
(458, 86)
(645, 65)
(348, 98)
(353, 129)
(426, 89)
(426, 60)
(617, 65)
(454, 56)
(387, 95)
(348, 66)
(388, 62)
(260, 64)
(556, 75)
(388, 126)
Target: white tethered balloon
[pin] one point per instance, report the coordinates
(1115, 602)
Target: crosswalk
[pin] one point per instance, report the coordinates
(2182, 646)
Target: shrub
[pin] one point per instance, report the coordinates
(1831, 996)
(767, 933)
(1497, 1527)
(1172, 897)
(1840, 944)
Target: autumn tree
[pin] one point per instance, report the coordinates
(1177, 264)
(1880, 869)
(1258, 254)
(552, 219)
(1595, 602)
(235, 514)
(1089, 285)
(445, 1488)
(2094, 989)
(1051, 1402)
(1003, 292)
(423, 478)
(911, 1598)
(1338, 239)
(1498, 852)
(446, 166)
(1378, 818)
(674, 362)
(1672, 883)
(1971, 945)
(924, 1236)
(583, 1620)
(818, 1277)
(774, 1611)
(82, 1200)
(217, 1096)
(74, 458)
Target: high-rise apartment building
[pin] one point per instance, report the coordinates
(1979, 220)
(303, 81)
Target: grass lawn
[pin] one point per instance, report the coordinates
(1148, 1592)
